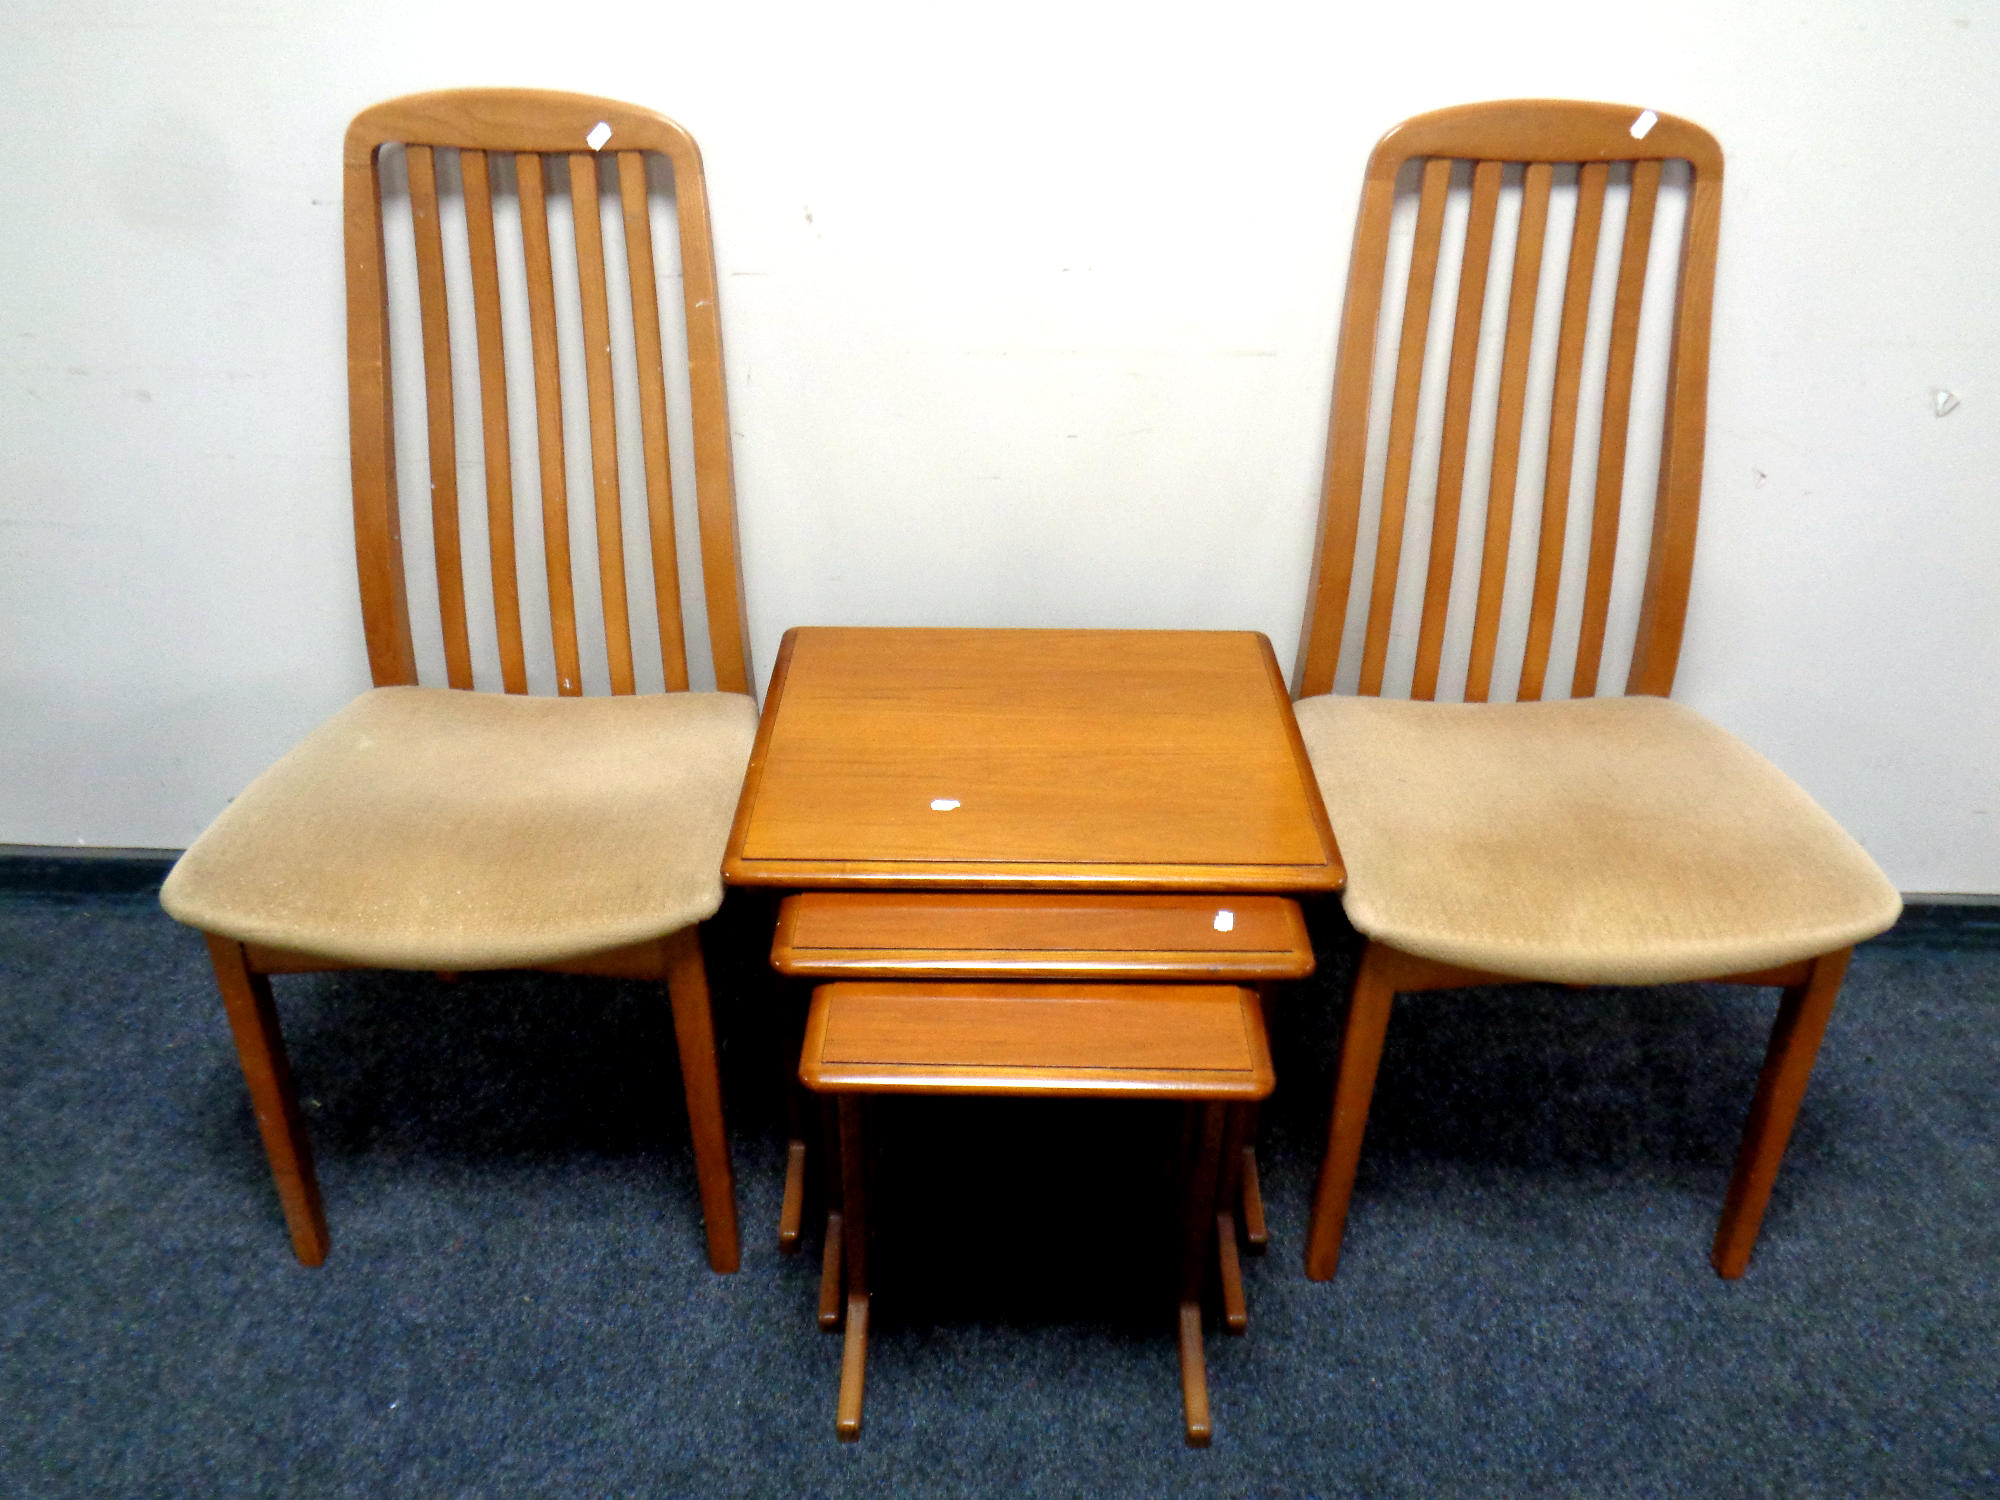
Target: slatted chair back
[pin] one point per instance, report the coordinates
(487, 141)
(1521, 150)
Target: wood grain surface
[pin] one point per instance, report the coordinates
(980, 934)
(1122, 1041)
(1079, 759)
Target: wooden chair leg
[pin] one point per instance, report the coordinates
(854, 1351)
(1795, 1039)
(1354, 1086)
(792, 1213)
(831, 1295)
(701, 1077)
(260, 1047)
(1197, 1224)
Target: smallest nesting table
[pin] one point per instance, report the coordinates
(1202, 1045)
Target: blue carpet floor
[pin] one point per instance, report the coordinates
(517, 1302)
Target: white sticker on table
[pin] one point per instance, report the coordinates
(1225, 921)
(943, 804)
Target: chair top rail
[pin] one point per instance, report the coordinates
(1547, 130)
(515, 120)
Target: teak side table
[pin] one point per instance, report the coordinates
(1085, 760)
(1161, 766)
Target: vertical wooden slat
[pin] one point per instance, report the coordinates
(493, 419)
(1526, 283)
(1670, 562)
(1403, 419)
(1347, 438)
(721, 562)
(1457, 421)
(549, 428)
(1562, 425)
(603, 415)
(1616, 425)
(378, 534)
(440, 420)
(653, 417)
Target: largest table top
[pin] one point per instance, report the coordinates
(1030, 759)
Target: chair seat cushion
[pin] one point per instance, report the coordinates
(1596, 840)
(434, 829)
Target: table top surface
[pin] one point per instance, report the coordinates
(1036, 759)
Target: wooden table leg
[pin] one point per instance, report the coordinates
(1229, 1269)
(1256, 1234)
(1197, 1224)
(791, 1216)
(854, 1353)
(829, 1259)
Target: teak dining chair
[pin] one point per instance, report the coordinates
(1598, 840)
(446, 829)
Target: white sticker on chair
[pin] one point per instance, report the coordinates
(943, 804)
(599, 134)
(1646, 121)
(1225, 921)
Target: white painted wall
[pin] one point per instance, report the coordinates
(1030, 316)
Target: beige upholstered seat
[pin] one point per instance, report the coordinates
(1595, 840)
(427, 828)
